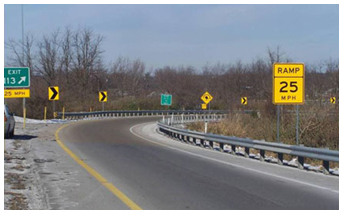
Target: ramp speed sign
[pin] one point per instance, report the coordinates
(288, 83)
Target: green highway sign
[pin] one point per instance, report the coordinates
(17, 77)
(166, 99)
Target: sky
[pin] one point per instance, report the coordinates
(195, 35)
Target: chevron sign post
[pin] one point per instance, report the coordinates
(54, 94)
(103, 99)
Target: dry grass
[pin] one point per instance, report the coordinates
(317, 128)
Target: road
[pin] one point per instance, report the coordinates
(138, 168)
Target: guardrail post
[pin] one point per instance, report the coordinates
(247, 152)
(326, 167)
(211, 144)
(280, 158)
(221, 145)
(233, 149)
(184, 138)
(262, 155)
(300, 162)
(202, 143)
(188, 139)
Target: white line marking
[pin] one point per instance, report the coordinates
(227, 163)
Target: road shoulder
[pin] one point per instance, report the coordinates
(308, 178)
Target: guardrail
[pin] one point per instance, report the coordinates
(130, 113)
(209, 140)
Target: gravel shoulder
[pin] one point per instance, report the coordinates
(37, 171)
(23, 189)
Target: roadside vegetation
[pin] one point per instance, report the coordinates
(73, 59)
(318, 127)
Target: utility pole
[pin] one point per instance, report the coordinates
(23, 59)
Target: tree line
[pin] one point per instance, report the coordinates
(73, 59)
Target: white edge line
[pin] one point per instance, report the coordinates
(227, 163)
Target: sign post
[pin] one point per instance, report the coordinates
(18, 77)
(166, 100)
(53, 93)
(207, 97)
(288, 89)
(103, 99)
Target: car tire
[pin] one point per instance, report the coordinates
(7, 135)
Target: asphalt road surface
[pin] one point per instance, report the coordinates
(155, 172)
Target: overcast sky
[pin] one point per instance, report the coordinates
(194, 35)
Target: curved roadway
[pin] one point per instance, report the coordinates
(159, 173)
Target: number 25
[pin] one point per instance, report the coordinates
(292, 85)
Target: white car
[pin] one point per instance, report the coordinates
(9, 123)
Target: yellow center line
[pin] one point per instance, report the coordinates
(126, 200)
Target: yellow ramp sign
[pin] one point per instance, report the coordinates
(204, 106)
(54, 93)
(288, 83)
(17, 93)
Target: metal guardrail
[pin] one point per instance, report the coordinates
(208, 140)
(129, 113)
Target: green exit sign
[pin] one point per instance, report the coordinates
(17, 77)
(166, 100)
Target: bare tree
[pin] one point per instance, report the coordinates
(88, 52)
(22, 52)
(49, 65)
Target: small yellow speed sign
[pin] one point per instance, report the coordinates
(288, 83)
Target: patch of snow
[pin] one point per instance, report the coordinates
(334, 171)
(293, 162)
(28, 120)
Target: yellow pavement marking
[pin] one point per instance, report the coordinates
(126, 200)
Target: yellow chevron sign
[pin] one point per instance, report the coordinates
(103, 96)
(244, 100)
(54, 93)
(333, 100)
